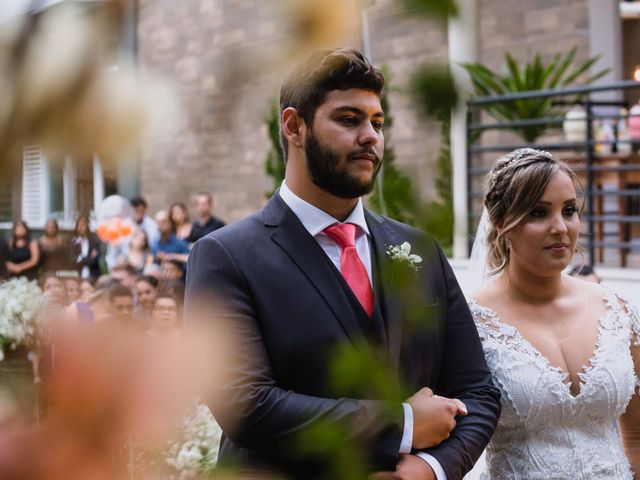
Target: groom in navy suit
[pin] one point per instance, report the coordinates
(310, 273)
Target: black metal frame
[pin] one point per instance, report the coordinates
(475, 105)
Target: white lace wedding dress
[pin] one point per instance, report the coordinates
(544, 431)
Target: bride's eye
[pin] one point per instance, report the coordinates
(570, 210)
(538, 212)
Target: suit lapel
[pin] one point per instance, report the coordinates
(291, 236)
(383, 237)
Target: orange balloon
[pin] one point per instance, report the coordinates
(112, 235)
(102, 232)
(125, 230)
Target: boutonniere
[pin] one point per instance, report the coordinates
(402, 254)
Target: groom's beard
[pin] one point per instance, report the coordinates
(324, 167)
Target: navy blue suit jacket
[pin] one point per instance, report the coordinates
(280, 293)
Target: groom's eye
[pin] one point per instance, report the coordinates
(349, 120)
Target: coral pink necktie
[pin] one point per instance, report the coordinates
(351, 266)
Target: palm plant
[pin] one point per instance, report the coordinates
(561, 71)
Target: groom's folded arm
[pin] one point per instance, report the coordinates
(252, 409)
(465, 376)
(405, 446)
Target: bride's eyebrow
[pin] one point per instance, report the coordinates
(570, 200)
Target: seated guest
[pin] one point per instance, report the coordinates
(125, 274)
(166, 317)
(23, 253)
(171, 270)
(86, 289)
(169, 247)
(121, 300)
(179, 217)
(71, 285)
(146, 288)
(53, 287)
(206, 222)
(139, 254)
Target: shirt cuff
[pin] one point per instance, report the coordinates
(407, 433)
(434, 464)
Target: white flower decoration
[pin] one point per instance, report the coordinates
(402, 253)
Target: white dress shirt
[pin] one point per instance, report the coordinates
(315, 221)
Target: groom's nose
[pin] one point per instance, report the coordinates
(368, 135)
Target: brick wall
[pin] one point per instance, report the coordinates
(207, 48)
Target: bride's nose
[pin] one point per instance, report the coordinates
(558, 224)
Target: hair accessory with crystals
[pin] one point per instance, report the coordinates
(517, 155)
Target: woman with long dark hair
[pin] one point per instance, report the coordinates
(23, 255)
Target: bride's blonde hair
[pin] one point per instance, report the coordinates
(516, 183)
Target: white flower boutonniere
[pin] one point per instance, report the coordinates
(402, 254)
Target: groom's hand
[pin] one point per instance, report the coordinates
(433, 417)
(410, 467)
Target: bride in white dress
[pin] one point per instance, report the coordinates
(563, 352)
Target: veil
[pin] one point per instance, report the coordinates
(477, 273)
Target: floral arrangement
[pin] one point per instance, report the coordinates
(194, 452)
(21, 301)
(402, 254)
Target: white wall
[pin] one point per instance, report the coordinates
(624, 281)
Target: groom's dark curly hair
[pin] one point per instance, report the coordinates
(307, 86)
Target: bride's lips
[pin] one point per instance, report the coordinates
(557, 247)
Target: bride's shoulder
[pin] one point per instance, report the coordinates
(602, 294)
(481, 303)
(580, 287)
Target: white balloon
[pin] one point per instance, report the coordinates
(114, 206)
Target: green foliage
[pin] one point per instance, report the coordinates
(394, 195)
(274, 164)
(561, 71)
(434, 9)
(435, 90)
(439, 215)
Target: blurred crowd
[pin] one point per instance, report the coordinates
(137, 282)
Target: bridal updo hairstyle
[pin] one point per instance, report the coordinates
(517, 181)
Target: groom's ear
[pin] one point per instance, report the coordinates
(293, 127)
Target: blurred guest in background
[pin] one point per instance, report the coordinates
(121, 300)
(72, 286)
(206, 222)
(146, 288)
(169, 247)
(144, 221)
(140, 255)
(24, 255)
(4, 258)
(85, 249)
(54, 249)
(54, 288)
(179, 217)
(166, 317)
(86, 289)
(171, 270)
(586, 273)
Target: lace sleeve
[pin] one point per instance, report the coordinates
(631, 313)
(633, 317)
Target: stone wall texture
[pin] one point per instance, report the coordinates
(213, 52)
